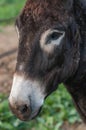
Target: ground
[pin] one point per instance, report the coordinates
(8, 53)
(8, 46)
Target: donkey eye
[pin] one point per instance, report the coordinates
(50, 39)
(55, 35)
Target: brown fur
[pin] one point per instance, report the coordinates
(67, 64)
(39, 11)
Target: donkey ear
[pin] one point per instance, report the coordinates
(68, 4)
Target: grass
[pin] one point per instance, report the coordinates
(9, 9)
(57, 109)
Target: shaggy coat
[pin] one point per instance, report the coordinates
(67, 63)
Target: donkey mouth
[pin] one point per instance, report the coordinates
(26, 114)
(26, 98)
(32, 116)
(35, 114)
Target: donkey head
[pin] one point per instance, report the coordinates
(47, 55)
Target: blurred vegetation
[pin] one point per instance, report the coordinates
(58, 107)
(9, 9)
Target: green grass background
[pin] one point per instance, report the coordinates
(58, 107)
(9, 9)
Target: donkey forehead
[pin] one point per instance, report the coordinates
(36, 13)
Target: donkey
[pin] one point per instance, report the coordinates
(52, 50)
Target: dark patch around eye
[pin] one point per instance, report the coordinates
(53, 36)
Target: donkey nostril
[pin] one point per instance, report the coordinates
(23, 108)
